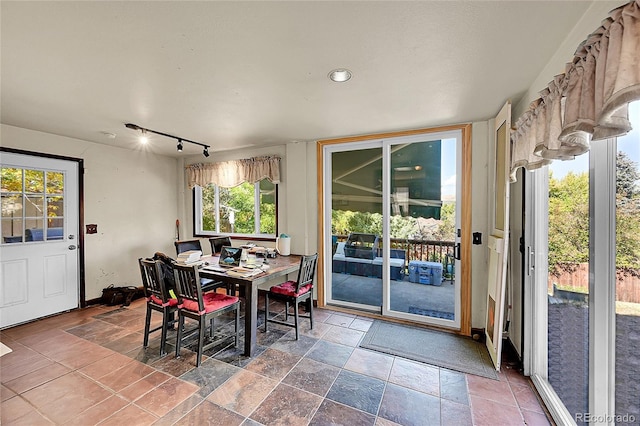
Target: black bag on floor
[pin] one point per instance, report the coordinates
(112, 296)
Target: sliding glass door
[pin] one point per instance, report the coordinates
(356, 226)
(394, 216)
(585, 298)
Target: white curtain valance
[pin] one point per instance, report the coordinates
(228, 174)
(589, 101)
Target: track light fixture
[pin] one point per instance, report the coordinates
(144, 132)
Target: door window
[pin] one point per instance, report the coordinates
(32, 205)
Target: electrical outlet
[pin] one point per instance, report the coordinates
(477, 238)
(92, 229)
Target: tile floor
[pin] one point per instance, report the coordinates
(88, 367)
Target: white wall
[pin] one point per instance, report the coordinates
(130, 195)
(481, 142)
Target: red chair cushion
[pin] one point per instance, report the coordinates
(289, 289)
(212, 302)
(155, 299)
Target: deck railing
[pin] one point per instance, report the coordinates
(423, 250)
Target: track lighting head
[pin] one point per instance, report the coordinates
(179, 146)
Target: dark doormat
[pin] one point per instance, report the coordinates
(431, 313)
(437, 348)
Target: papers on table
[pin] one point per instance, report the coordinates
(237, 271)
(189, 257)
(244, 272)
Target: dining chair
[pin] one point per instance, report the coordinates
(202, 308)
(158, 299)
(294, 292)
(218, 242)
(186, 245)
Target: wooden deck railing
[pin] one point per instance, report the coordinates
(423, 250)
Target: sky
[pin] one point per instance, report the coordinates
(448, 168)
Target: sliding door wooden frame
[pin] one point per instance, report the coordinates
(465, 208)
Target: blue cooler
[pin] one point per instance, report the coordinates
(429, 273)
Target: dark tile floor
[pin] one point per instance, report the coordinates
(88, 367)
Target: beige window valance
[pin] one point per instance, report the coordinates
(228, 174)
(589, 101)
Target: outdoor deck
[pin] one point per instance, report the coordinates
(435, 301)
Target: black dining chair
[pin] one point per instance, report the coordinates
(158, 299)
(294, 293)
(186, 245)
(202, 308)
(217, 243)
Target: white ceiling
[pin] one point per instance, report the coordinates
(244, 74)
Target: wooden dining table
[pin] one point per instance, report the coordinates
(277, 267)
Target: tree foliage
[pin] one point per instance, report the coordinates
(237, 210)
(569, 219)
(404, 227)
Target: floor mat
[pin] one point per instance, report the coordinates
(431, 313)
(438, 348)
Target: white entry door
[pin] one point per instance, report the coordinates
(39, 248)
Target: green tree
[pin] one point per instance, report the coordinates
(627, 215)
(568, 221)
(627, 176)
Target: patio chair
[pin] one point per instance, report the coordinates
(294, 292)
(157, 295)
(202, 308)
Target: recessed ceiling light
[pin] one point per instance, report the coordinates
(340, 75)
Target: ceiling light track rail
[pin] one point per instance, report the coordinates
(180, 140)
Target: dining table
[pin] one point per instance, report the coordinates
(271, 268)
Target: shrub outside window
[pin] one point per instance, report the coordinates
(245, 210)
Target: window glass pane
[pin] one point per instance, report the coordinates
(11, 179)
(34, 206)
(55, 206)
(12, 218)
(235, 212)
(568, 283)
(55, 182)
(627, 387)
(267, 207)
(11, 205)
(356, 225)
(209, 208)
(240, 203)
(34, 181)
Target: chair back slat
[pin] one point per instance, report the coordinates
(152, 280)
(188, 284)
(307, 270)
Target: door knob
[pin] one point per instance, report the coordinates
(72, 247)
